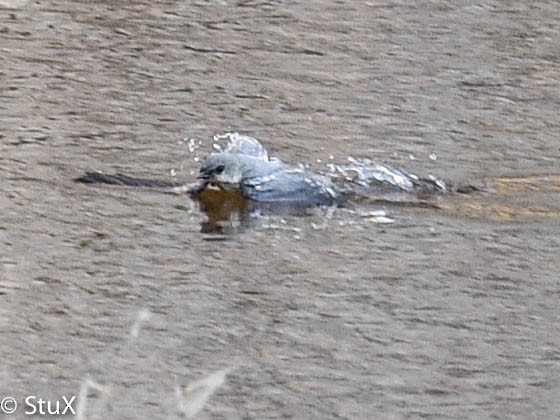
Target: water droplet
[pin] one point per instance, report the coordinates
(192, 145)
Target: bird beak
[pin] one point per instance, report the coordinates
(204, 175)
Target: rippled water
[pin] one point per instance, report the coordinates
(451, 311)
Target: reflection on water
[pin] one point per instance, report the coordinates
(524, 198)
(223, 209)
(499, 212)
(543, 183)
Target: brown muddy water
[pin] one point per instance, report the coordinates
(115, 292)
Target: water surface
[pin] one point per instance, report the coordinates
(449, 313)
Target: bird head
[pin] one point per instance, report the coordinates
(223, 170)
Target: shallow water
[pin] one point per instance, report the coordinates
(444, 313)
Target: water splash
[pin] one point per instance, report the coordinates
(238, 143)
(366, 173)
(193, 145)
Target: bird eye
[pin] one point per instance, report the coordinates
(220, 169)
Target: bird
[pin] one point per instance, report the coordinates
(266, 182)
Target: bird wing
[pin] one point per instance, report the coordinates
(290, 186)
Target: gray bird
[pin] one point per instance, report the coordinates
(266, 181)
